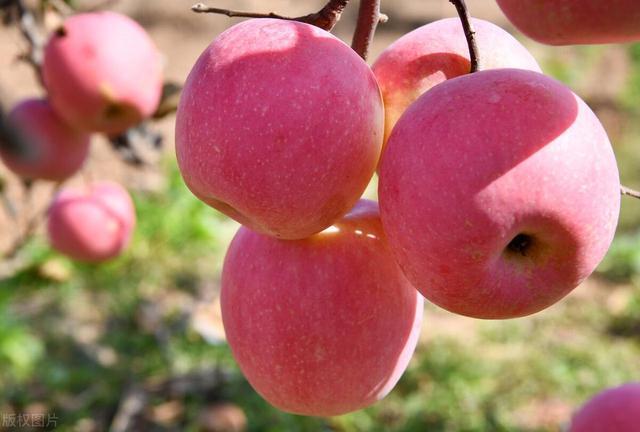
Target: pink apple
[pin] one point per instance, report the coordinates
(321, 326)
(279, 127)
(436, 52)
(91, 225)
(103, 72)
(613, 410)
(570, 22)
(499, 193)
(49, 149)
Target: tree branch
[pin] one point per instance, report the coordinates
(31, 32)
(7, 204)
(134, 145)
(369, 17)
(469, 33)
(32, 224)
(629, 192)
(326, 18)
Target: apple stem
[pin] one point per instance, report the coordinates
(469, 33)
(629, 192)
(326, 18)
(369, 17)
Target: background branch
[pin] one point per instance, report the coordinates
(326, 18)
(469, 33)
(29, 28)
(33, 223)
(629, 192)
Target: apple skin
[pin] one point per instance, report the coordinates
(102, 72)
(324, 325)
(437, 52)
(575, 22)
(279, 127)
(612, 410)
(92, 225)
(50, 150)
(499, 193)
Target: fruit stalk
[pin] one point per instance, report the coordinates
(469, 33)
(368, 19)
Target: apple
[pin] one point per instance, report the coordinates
(613, 410)
(102, 72)
(92, 224)
(48, 148)
(499, 193)
(571, 22)
(279, 127)
(320, 326)
(436, 52)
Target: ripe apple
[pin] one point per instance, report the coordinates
(91, 225)
(279, 127)
(103, 72)
(48, 148)
(436, 52)
(571, 22)
(613, 410)
(499, 193)
(324, 325)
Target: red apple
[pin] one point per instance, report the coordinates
(499, 193)
(571, 22)
(103, 72)
(279, 127)
(613, 410)
(49, 149)
(436, 52)
(321, 326)
(91, 225)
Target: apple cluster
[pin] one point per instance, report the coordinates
(102, 74)
(498, 194)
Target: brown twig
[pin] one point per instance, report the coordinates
(32, 224)
(326, 18)
(134, 145)
(629, 192)
(31, 32)
(131, 405)
(469, 33)
(99, 5)
(61, 7)
(137, 396)
(7, 204)
(368, 19)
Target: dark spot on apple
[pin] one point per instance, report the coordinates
(114, 110)
(521, 244)
(61, 31)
